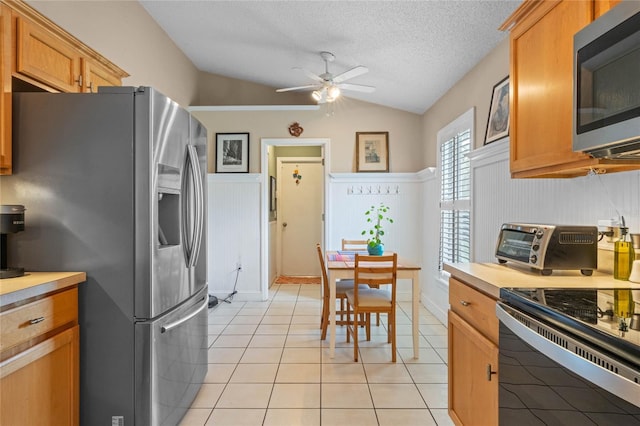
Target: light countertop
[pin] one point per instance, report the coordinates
(491, 277)
(34, 284)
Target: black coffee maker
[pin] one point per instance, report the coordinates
(11, 221)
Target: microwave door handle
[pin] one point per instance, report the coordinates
(199, 205)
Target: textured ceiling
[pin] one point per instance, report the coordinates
(415, 50)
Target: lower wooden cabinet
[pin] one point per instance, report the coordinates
(39, 360)
(473, 382)
(473, 356)
(40, 385)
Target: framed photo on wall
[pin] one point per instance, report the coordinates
(372, 151)
(498, 121)
(232, 152)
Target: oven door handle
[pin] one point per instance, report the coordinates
(600, 376)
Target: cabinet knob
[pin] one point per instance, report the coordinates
(490, 373)
(36, 320)
(465, 303)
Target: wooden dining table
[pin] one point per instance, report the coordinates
(341, 265)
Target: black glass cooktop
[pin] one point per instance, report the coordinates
(585, 313)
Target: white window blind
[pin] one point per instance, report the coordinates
(455, 191)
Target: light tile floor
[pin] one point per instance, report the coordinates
(268, 366)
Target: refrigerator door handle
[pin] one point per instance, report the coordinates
(172, 325)
(199, 201)
(192, 221)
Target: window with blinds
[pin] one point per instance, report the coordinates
(455, 193)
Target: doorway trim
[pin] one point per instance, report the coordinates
(324, 144)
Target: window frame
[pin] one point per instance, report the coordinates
(461, 124)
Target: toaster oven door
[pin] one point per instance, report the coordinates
(515, 245)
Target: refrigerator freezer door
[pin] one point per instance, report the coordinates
(171, 354)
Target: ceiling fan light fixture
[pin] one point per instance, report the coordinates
(317, 95)
(334, 92)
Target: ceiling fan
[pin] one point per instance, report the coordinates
(328, 86)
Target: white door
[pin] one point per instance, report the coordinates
(300, 209)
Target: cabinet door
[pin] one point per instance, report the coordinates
(5, 90)
(601, 7)
(542, 85)
(96, 75)
(473, 392)
(46, 58)
(40, 385)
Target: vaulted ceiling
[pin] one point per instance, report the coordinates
(415, 50)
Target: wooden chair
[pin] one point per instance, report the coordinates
(341, 287)
(373, 271)
(354, 245)
(358, 245)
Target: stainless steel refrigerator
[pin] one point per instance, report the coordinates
(114, 185)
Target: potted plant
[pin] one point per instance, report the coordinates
(376, 215)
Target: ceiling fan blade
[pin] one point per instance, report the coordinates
(288, 89)
(357, 87)
(309, 74)
(353, 72)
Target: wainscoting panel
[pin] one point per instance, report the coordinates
(234, 235)
(354, 193)
(579, 201)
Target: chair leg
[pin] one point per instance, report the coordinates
(368, 326)
(378, 319)
(355, 336)
(348, 326)
(324, 320)
(342, 310)
(392, 329)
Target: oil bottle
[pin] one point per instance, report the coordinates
(623, 303)
(623, 255)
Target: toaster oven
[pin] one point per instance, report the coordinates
(548, 247)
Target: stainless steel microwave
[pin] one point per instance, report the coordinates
(606, 93)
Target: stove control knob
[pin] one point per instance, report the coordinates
(539, 234)
(535, 247)
(533, 259)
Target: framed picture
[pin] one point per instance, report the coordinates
(498, 122)
(272, 194)
(372, 151)
(232, 152)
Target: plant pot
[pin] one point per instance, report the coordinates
(376, 250)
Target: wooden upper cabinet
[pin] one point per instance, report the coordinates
(95, 75)
(44, 57)
(541, 90)
(601, 7)
(5, 90)
(35, 50)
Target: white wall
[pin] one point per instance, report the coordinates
(351, 116)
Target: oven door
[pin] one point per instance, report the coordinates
(543, 380)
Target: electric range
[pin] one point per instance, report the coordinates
(585, 313)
